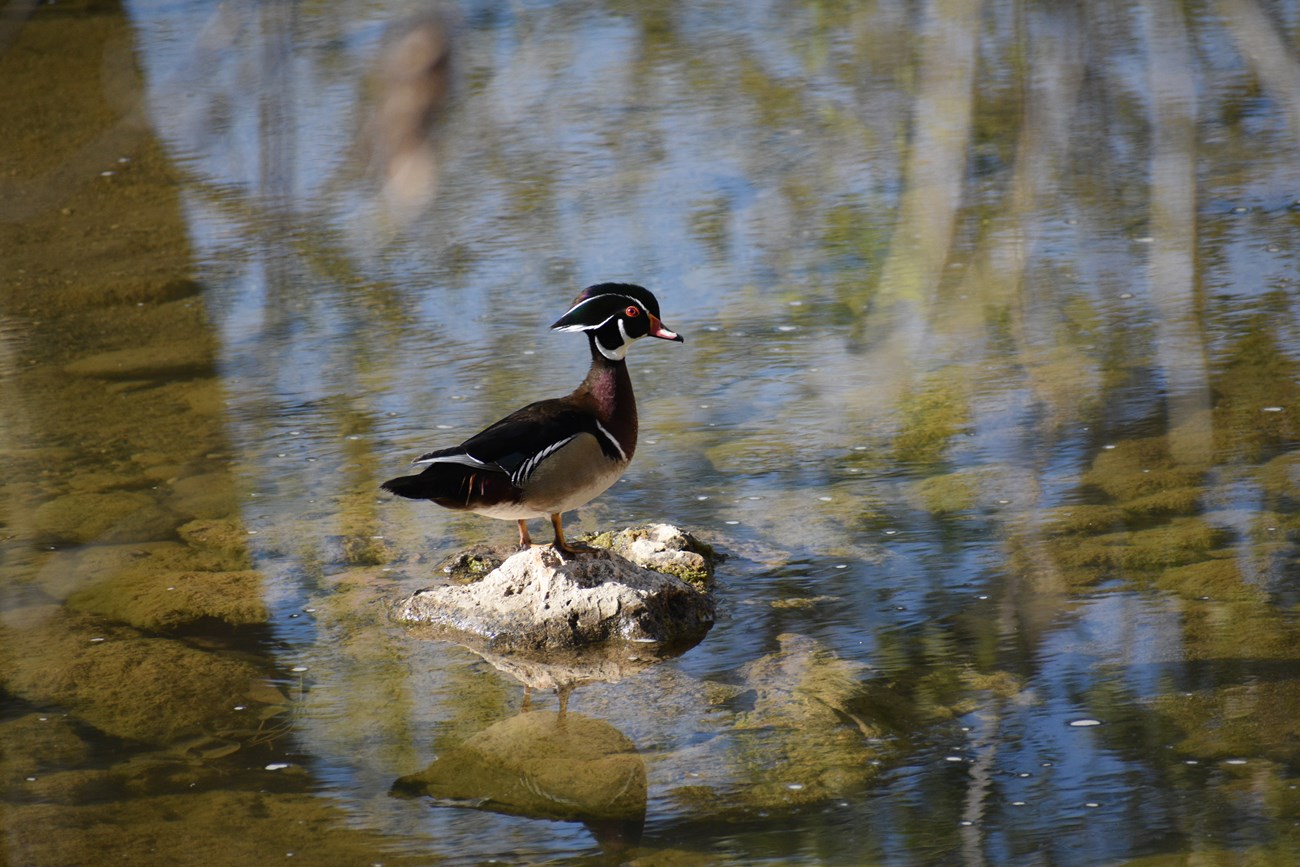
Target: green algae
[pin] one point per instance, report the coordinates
(664, 549)
(809, 733)
(1218, 578)
(124, 516)
(167, 601)
(219, 826)
(123, 682)
(1138, 468)
(930, 416)
(1178, 542)
(953, 492)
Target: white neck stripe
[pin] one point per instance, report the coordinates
(613, 439)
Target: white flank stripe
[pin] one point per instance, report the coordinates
(520, 475)
(463, 458)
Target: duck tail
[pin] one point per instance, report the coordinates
(411, 487)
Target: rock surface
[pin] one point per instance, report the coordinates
(538, 601)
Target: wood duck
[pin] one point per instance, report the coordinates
(554, 455)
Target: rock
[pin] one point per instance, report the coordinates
(663, 548)
(540, 764)
(175, 360)
(165, 601)
(537, 601)
(126, 684)
(207, 496)
(123, 516)
(228, 539)
(35, 743)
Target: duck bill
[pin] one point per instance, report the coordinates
(657, 330)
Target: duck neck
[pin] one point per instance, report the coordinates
(610, 388)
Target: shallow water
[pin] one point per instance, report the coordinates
(989, 393)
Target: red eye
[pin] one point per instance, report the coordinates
(632, 312)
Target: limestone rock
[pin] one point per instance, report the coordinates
(538, 601)
(663, 548)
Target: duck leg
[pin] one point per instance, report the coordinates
(559, 544)
(525, 541)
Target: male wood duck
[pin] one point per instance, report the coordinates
(554, 455)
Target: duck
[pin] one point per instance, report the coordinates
(555, 455)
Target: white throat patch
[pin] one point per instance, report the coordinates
(618, 352)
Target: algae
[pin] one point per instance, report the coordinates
(124, 683)
(168, 601)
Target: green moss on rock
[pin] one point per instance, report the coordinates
(122, 516)
(1219, 578)
(164, 601)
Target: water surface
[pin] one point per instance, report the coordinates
(989, 393)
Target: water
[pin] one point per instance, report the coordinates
(989, 392)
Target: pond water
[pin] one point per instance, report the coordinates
(990, 394)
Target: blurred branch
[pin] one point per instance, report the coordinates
(1268, 56)
(1171, 268)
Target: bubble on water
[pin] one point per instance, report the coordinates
(1271, 409)
(1091, 804)
(702, 497)
(891, 532)
(1234, 762)
(299, 668)
(953, 759)
(794, 787)
(731, 523)
(1084, 723)
(277, 766)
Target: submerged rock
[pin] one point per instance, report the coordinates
(541, 764)
(125, 683)
(538, 601)
(162, 601)
(121, 516)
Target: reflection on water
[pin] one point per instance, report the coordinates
(994, 406)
